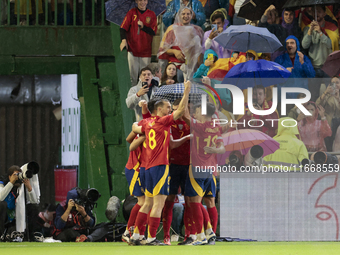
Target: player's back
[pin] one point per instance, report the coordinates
(205, 134)
(157, 141)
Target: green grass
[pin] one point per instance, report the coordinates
(230, 248)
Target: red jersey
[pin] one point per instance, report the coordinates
(140, 45)
(143, 157)
(134, 158)
(157, 141)
(181, 154)
(204, 134)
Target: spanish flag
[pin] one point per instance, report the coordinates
(231, 10)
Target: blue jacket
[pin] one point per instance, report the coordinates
(174, 6)
(61, 208)
(300, 73)
(203, 69)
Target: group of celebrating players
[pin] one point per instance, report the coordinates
(164, 152)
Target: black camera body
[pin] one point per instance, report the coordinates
(87, 198)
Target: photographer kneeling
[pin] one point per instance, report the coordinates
(75, 221)
(12, 206)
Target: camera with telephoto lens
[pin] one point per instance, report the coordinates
(28, 170)
(87, 198)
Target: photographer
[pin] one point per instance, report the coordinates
(12, 205)
(75, 222)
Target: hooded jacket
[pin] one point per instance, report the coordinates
(74, 218)
(292, 150)
(174, 6)
(203, 69)
(300, 71)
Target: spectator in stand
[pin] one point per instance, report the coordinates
(289, 25)
(298, 64)
(144, 90)
(314, 131)
(329, 100)
(219, 18)
(320, 38)
(234, 8)
(170, 75)
(294, 112)
(198, 14)
(156, 71)
(136, 32)
(181, 45)
(211, 6)
(259, 102)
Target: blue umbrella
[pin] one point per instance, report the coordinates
(260, 71)
(174, 91)
(117, 9)
(247, 37)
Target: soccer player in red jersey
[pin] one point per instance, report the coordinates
(179, 166)
(205, 144)
(137, 31)
(157, 134)
(135, 169)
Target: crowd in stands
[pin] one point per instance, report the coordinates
(188, 50)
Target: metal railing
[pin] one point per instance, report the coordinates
(52, 13)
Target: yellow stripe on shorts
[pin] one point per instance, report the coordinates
(194, 184)
(161, 182)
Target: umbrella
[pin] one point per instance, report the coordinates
(174, 91)
(254, 9)
(247, 37)
(117, 9)
(260, 71)
(305, 3)
(332, 64)
(243, 139)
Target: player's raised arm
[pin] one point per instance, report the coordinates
(184, 102)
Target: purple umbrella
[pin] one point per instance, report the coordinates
(243, 139)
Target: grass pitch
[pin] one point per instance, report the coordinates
(239, 248)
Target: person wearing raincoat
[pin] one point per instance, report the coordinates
(182, 45)
(292, 150)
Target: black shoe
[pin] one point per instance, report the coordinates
(156, 242)
(187, 241)
(134, 242)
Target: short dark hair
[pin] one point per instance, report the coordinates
(160, 103)
(210, 108)
(217, 15)
(12, 169)
(289, 10)
(144, 69)
(177, 101)
(259, 87)
(151, 104)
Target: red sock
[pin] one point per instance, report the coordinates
(197, 216)
(140, 222)
(186, 220)
(206, 218)
(133, 216)
(167, 218)
(153, 226)
(213, 214)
